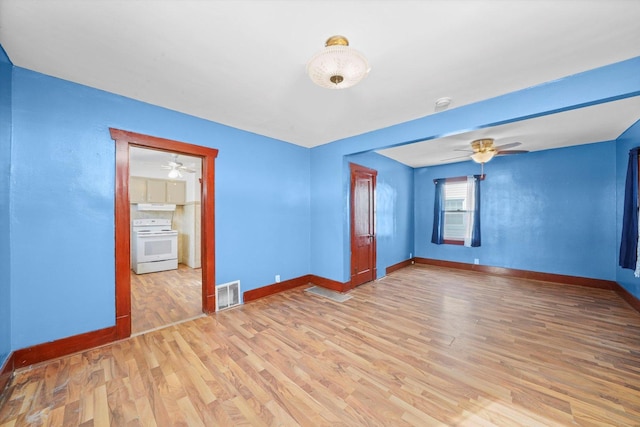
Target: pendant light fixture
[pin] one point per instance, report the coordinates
(338, 66)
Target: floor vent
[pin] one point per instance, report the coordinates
(227, 295)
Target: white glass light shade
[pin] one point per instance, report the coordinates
(483, 156)
(174, 173)
(337, 67)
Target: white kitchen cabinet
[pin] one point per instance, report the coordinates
(151, 190)
(176, 192)
(137, 190)
(156, 191)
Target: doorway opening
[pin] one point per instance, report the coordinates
(165, 202)
(124, 141)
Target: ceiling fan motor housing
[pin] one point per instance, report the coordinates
(483, 145)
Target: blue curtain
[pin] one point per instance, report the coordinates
(629, 241)
(437, 236)
(475, 231)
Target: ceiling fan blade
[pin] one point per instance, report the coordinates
(166, 167)
(503, 152)
(454, 158)
(186, 169)
(507, 146)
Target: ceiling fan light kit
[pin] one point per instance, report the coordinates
(483, 150)
(176, 168)
(337, 66)
(482, 157)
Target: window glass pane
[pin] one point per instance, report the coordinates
(456, 194)
(455, 218)
(453, 204)
(455, 223)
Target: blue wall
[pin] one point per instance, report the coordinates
(549, 211)
(394, 208)
(5, 168)
(628, 140)
(62, 218)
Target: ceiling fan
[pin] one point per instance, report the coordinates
(176, 168)
(483, 150)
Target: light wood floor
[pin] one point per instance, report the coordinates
(165, 297)
(423, 346)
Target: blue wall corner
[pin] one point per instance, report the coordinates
(6, 73)
(328, 215)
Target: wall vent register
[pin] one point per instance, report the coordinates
(227, 295)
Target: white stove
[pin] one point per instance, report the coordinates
(154, 246)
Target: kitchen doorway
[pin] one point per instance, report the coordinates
(165, 212)
(123, 141)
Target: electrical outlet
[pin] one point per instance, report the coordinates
(277, 278)
(476, 261)
(410, 255)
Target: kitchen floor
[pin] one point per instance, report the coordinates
(162, 298)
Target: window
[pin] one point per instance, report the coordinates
(457, 211)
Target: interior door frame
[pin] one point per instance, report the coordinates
(123, 140)
(353, 170)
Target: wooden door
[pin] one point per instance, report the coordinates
(363, 236)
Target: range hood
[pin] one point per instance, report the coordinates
(156, 207)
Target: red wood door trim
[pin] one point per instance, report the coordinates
(124, 140)
(358, 279)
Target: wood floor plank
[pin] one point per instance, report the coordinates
(101, 407)
(423, 346)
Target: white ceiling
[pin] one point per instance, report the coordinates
(242, 63)
(157, 158)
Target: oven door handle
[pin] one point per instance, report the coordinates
(157, 234)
